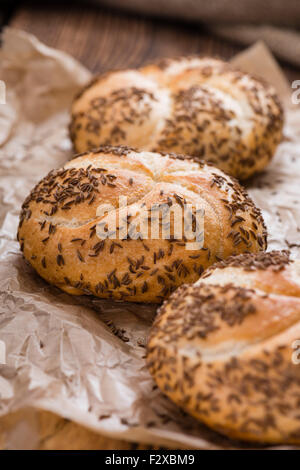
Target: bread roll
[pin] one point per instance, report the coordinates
(227, 348)
(60, 219)
(195, 106)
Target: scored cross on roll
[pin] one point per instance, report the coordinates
(227, 349)
(72, 223)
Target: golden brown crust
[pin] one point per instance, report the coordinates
(195, 106)
(222, 348)
(58, 224)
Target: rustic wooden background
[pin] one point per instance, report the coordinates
(103, 39)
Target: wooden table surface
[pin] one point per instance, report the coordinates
(104, 39)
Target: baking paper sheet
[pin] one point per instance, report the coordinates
(81, 357)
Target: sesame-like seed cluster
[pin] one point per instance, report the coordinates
(274, 260)
(198, 317)
(188, 105)
(219, 353)
(58, 221)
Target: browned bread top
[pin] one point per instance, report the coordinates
(223, 348)
(59, 223)
(196, 106)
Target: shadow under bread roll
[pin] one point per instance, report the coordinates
(87, 227)
(227, 348)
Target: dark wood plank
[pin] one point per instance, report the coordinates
(104, 39)
(7, 10)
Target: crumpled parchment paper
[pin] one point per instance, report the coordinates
(83, 358)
